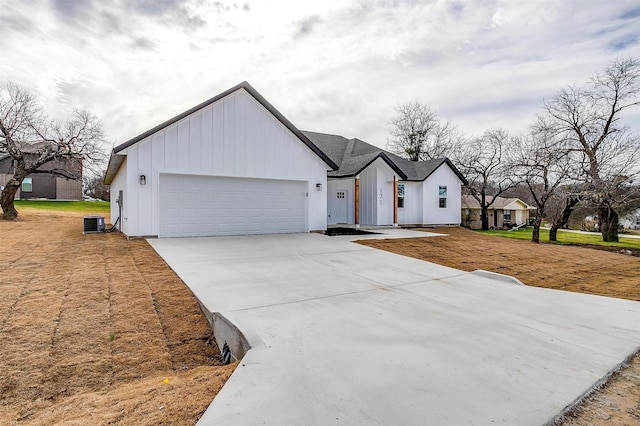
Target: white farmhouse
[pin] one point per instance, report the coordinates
(234, 165)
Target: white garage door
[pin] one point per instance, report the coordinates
(205, 205)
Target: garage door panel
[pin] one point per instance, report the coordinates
(203, 205)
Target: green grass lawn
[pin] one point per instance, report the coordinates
(75, 206)
(566, 237)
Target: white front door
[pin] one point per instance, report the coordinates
(339, 207)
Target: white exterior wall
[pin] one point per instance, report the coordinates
(432, 213)
(119, 183)
(521, 216)
(376, 194)
(368, 190)
(234, 137)
(411, 213)
(520, 212)
(347, 185)
(385, 192)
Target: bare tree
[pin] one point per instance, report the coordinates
(544, 165)
(95, 187)
(484, 162)
(590, 120)
(32, 140)
(417, 133)
(560, 206)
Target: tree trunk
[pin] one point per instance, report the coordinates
(9, 211)
(8, 194)
(608, 223)
(484, 218)
(572, 202)
(484, 213)
(535, 237)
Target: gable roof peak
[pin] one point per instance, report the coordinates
(116, 159)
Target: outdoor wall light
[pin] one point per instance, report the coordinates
(318, 187)
(143, 180)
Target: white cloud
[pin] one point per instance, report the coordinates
(335, 66)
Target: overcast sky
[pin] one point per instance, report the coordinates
(334, 66)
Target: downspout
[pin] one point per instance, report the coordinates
(357, 201)
(395, 201)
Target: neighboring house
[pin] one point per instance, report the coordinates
(631, 221)
(234, 165)
(47, 185)
(503, 212)
(376, 187)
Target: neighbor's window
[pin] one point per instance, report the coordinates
(27, 185)
(507, 215)
(400, 195)
(442, 201)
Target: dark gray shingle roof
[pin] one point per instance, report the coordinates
(354, 155)
(351, 155)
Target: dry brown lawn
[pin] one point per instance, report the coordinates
(569, 268)
(95, 329)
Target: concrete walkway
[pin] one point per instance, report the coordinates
(621, 235)
(345, 334)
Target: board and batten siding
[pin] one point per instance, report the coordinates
(434, 215)
(385, 192)
(368, 191)
(411, 213)
(233, 137)
(376, 194)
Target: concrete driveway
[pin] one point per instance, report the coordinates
(345, 334)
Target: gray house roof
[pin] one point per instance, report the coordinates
(354, 155)
(470, 202)
(116, 159)
(351, 155)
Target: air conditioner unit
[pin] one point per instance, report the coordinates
(93, 224)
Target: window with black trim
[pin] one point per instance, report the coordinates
(400, 195)
(442, 200)
(27, 185)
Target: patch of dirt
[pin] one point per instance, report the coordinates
(97, 329)
(570, 268)
(616, 403)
